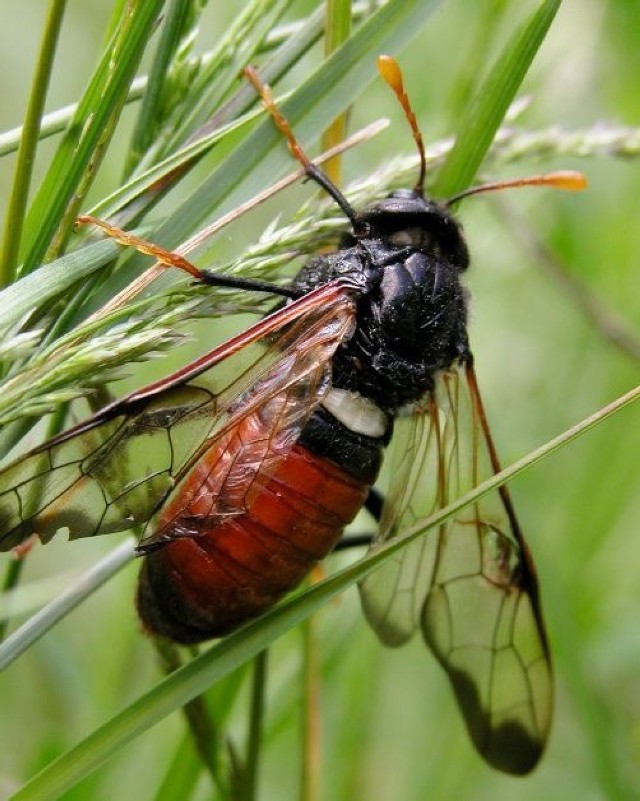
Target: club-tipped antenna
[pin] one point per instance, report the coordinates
(392, 75)
(563, 179)
(312, 170)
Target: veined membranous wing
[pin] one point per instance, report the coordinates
(469, 584)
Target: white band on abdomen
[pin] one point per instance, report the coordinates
(358, 414)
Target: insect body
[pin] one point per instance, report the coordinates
(408, 322)
(244, 467)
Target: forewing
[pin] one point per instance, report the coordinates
(120, 467)
(470, 584)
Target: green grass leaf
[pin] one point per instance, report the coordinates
(36, 290)
(68, 177)
(479, 125)
(28, 143)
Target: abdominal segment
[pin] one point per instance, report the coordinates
(205, 586)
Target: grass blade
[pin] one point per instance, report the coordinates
(26, 153)
(38, 625)
(337, 31)
(236, 49)
(77, 156)
(478, 127)
(175, 23)
(37, 289)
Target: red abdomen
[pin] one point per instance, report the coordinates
(200, 587)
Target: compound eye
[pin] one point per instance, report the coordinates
(409, 237)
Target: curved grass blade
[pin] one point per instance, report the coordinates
(38, 625)
(179, 19)
(236, 49)
(26, 153)
(36, 290)
(478, 127)
(337, 31)
(164, 172)
(486, 29)
(77, 153)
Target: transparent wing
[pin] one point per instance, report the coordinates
(470, 584)
(121, 466)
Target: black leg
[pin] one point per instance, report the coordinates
(251, 284)
(374, 504)
(353, 541)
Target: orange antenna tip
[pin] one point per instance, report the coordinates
(563, 179)
(567, 179)
(390, 73)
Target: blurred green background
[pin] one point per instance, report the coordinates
(390, 727)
